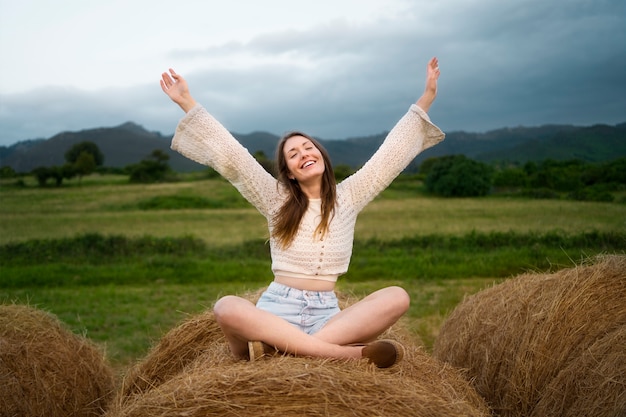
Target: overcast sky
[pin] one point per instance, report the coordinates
(332, 68)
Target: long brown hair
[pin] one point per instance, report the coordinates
(287, 220)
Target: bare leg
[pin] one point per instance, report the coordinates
(241, 322)
(430, 90)
(368, 318)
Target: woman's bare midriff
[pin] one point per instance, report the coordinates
(306, 284)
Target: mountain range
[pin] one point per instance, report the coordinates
(130, 143)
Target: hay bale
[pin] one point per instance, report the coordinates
(195, 336)
(177, 349)
(208, 381)
(46, 370)
(515, 338)
(198, 335)
(594, 384)
(289, 386)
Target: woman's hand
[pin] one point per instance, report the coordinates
(430, 90)
(176, 88)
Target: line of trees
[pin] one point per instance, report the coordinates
(86, 158)
(80, 160)
(447, 176)
(459, 176)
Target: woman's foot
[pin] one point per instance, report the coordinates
(430, 90)
(258, 350)
(383, 353)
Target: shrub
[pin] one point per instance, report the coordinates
(458, 176)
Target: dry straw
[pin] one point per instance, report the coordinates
(46, 370)
(593, 384)
(545, 344)
(207, 381)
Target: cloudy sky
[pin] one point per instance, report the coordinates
(333, 68)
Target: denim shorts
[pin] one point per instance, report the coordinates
(307, 310)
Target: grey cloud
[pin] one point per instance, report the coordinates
(503, 64)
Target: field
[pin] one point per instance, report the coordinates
(438, 249)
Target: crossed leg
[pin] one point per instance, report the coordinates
(241, 322)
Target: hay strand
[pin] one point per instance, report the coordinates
(46, 370)
(515, 338)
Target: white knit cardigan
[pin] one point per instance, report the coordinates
(201, 138)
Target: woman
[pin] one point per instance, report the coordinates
(311, 222)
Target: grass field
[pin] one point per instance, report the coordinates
(112, 207)
(440, 250)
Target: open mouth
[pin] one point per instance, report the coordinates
(308, 164)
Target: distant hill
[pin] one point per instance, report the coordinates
(129, 143)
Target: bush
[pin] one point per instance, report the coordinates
(510, 177)
(7, 172)
(152, 169)
(97, 248)
(458, 176)
(591, 194)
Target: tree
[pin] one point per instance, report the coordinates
(510, 177)
(85, 164)
(152, 169)
(458, 176)
(72, 155)
(265, 162)
(427, 165)
(7, 172)
(43, 174)
(342, 171)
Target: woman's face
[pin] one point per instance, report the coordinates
(304, 160)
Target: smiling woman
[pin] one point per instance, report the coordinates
(311, 224)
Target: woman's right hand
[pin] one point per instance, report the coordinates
(176, 88)
(430, 90)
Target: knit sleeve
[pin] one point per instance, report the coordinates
(413, 133)
(201, 138)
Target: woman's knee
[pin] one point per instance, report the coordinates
(228, 309)
(399, 298)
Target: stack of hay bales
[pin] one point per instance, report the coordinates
(545, 344)
(46, 370)
(192, 373)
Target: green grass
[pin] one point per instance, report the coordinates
(125, 263)
(111, 208)
(94, 259)
(127, 320)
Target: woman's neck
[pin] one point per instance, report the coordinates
(312, 191)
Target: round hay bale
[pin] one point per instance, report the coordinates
(594, 384)
(292, 386)
(176, 349)
(191, 372)
(516, 337)
(46, 370)
(196, 336)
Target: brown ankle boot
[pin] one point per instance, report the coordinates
(258, 350)
(383, 353)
